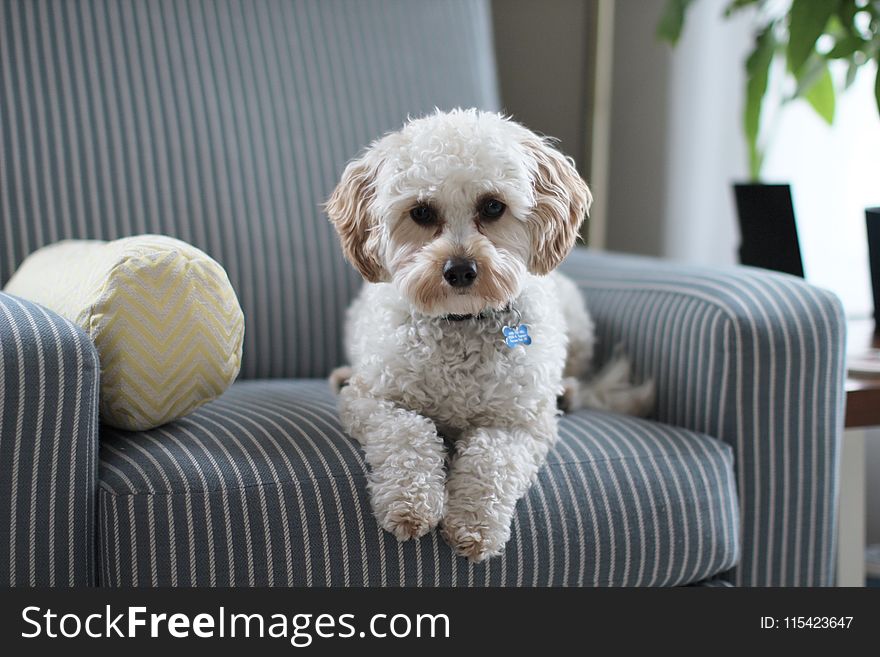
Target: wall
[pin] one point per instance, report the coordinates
(542, 52)
(676, 144)
(639, 141)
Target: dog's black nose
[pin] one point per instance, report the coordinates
(459, 272)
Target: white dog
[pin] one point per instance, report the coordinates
(463, 332)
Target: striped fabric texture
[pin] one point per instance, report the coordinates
(48, 448)
(262, 487)
(163, 317)
(225, 124)
(755, 359)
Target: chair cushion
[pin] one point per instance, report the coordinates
(262, 487)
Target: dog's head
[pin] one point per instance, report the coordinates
(456, 207)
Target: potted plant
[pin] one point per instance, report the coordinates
(807, 35)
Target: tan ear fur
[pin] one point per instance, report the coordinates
(562, 201)
(349, 210)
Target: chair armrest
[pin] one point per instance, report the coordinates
(49, 373)
(755, 359)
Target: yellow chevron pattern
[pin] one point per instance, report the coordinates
(163, 316)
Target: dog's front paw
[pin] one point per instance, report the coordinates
(473, 536)
(409, 513)
(406, 522)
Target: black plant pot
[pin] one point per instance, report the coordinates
(768, 229)
(872, 217)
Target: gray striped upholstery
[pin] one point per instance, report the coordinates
(225, 124)
(755, 359)
(262, 487)
(48, 448)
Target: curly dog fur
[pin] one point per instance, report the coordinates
(457, 223)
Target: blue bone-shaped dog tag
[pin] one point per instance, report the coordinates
(515, 336)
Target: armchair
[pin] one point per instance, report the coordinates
(754, 359)
(226, 125)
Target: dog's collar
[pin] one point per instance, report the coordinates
(513, 332)
(483, 315)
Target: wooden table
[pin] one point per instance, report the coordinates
(862, 411)
(862, 394)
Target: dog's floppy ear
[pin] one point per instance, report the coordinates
(562, 201)
(349, 210)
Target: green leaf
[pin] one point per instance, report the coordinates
(846, 47)
(736, 5)
(807, 22)
(810, 74)
(852, 70)
(757, 72)
(877, 85)
(846, 12)
(672, 20)
(821, 96)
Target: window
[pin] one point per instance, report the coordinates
(835, 174)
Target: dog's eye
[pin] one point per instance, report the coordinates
(423, 215)
(492, 209)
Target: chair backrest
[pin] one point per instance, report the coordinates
(225, 124)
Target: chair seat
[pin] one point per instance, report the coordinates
(262, 487)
